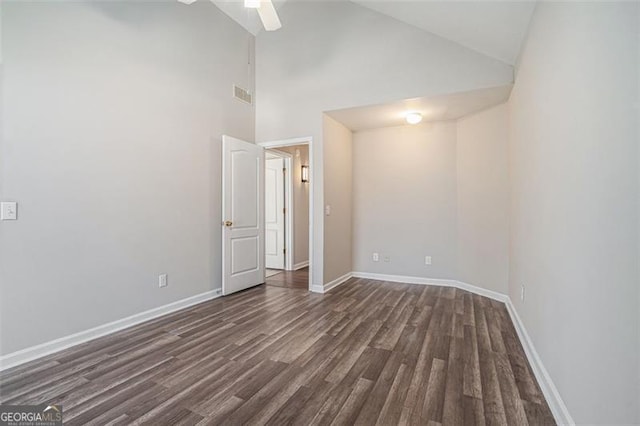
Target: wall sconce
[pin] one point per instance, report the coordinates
(305, 174)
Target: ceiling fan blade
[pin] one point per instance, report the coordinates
(269, 16)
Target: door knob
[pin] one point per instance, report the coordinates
(228, 223)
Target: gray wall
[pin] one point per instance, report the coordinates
(300, 156)
(111, 145)
(574, 205)
(438, 190)
(483, 199)
(331, 55)
(338, 186)
(404, 196)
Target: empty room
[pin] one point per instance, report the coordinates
(298, 212)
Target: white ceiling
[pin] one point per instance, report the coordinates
(248, 18)
(440, 108)
(494, 28)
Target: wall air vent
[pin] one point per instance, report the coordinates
(242, 94)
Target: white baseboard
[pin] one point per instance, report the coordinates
(433, 281)
(317, 289)
(500, 297)
(403, 279)
(335, 283)
(549, 390)
(300, 265)
(34, 352)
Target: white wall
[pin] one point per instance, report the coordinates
(338, 184)
(404, 200)
(300, 157)
(331, 55)
(483, 199)
(111, 145)
(574, 204)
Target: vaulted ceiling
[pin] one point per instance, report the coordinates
(246, 17)
(494, 28)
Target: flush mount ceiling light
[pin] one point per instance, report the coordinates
(252, 4)
(413, 117)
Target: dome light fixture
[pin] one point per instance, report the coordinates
(413, 117)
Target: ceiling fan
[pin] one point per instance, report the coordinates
(266, 11)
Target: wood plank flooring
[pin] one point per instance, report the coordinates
(366, 353)
(290, 279)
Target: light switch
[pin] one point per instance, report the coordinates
(327, 210)
(9, 210)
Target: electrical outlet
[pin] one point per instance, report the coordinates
(162, 281)
(387, 259)
(522, 293)
(376, 257)
(327, 210)
(9, 210)
(427, 260)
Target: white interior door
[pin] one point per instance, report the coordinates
(242, 215)
(274, 213)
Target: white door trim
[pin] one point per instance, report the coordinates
(289, 204)
(288, 142)
(312, 177)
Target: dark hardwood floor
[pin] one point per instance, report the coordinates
(290, 279)
(366, 353)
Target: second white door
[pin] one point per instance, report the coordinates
(274, 213)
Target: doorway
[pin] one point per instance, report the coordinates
(288, 219)
(278, 210)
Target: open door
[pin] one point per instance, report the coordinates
(274, 213)
(242, 215)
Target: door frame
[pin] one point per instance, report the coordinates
(309, 142)
(288, 204)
